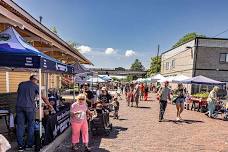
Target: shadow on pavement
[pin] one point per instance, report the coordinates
(121, 119)
(186, 121)
(144, 107)
(96, 140)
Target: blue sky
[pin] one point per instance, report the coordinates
(114, 33)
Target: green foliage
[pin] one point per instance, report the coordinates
(137, 66)
(54, 30)
(72, 44)
(115, 79)
(120, 69)
(186, 38)
(155, 65)
(129, 78)
(201, 95)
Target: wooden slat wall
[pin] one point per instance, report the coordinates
(54, 81)
(2, 82)
(15, 78)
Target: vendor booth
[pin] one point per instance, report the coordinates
(17, 54)
(198, 81)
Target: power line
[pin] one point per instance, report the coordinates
(221, 33)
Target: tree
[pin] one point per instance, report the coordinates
(120, 69)
(72, 44)
(115, 79)
(186, 38)
(155, 65)
(54, 30)
(137, 66)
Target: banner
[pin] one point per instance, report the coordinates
(56, 124)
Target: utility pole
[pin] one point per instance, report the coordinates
(157, 57)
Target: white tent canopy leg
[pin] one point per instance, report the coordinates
(40, 103)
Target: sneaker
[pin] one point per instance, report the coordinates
(178, 119)
(29, 148)
(87, 149)
(20, 149)
(75, 147)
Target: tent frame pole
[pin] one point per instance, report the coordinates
(74, 77)
(40, 103)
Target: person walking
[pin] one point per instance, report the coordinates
(79, 111)
(130, 95)
(211, 101)
(141, 87)
(164, 96)
(89, 95)
(25, 111)
(181, 94)
(146, 92)
(136, 94)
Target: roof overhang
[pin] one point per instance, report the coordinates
(18, 17)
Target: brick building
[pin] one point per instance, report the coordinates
(201, 56)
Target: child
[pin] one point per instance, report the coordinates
(79, 111)
(116, 105)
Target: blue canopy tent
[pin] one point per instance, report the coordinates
(15, 52)
(201, 80)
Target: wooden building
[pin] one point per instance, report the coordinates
(41, 38)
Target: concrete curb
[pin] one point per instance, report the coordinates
(52, 146)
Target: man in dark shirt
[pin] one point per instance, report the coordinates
(89, 95)
(105, 98)
(25, 110)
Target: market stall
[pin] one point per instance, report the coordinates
(17, 54)
(201, 100)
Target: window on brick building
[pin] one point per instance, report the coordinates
(223, 57)
(167, 65)
(173, 63)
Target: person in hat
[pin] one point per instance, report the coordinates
(105, 98)
(25, 111)
(163, 96)
(89, 95)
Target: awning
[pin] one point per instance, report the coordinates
(18, 53)
(179, 78)
(202, 80)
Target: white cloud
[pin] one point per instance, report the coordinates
(109, 51)
(129, 53)
(84, 49)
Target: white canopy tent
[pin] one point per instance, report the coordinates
(156, 77)
(169, 79)
(96, 80)
(179, 78)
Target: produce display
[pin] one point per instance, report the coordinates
(201, 95)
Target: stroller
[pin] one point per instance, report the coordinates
(100, 124)
(221, 108)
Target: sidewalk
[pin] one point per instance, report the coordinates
(138, 130)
